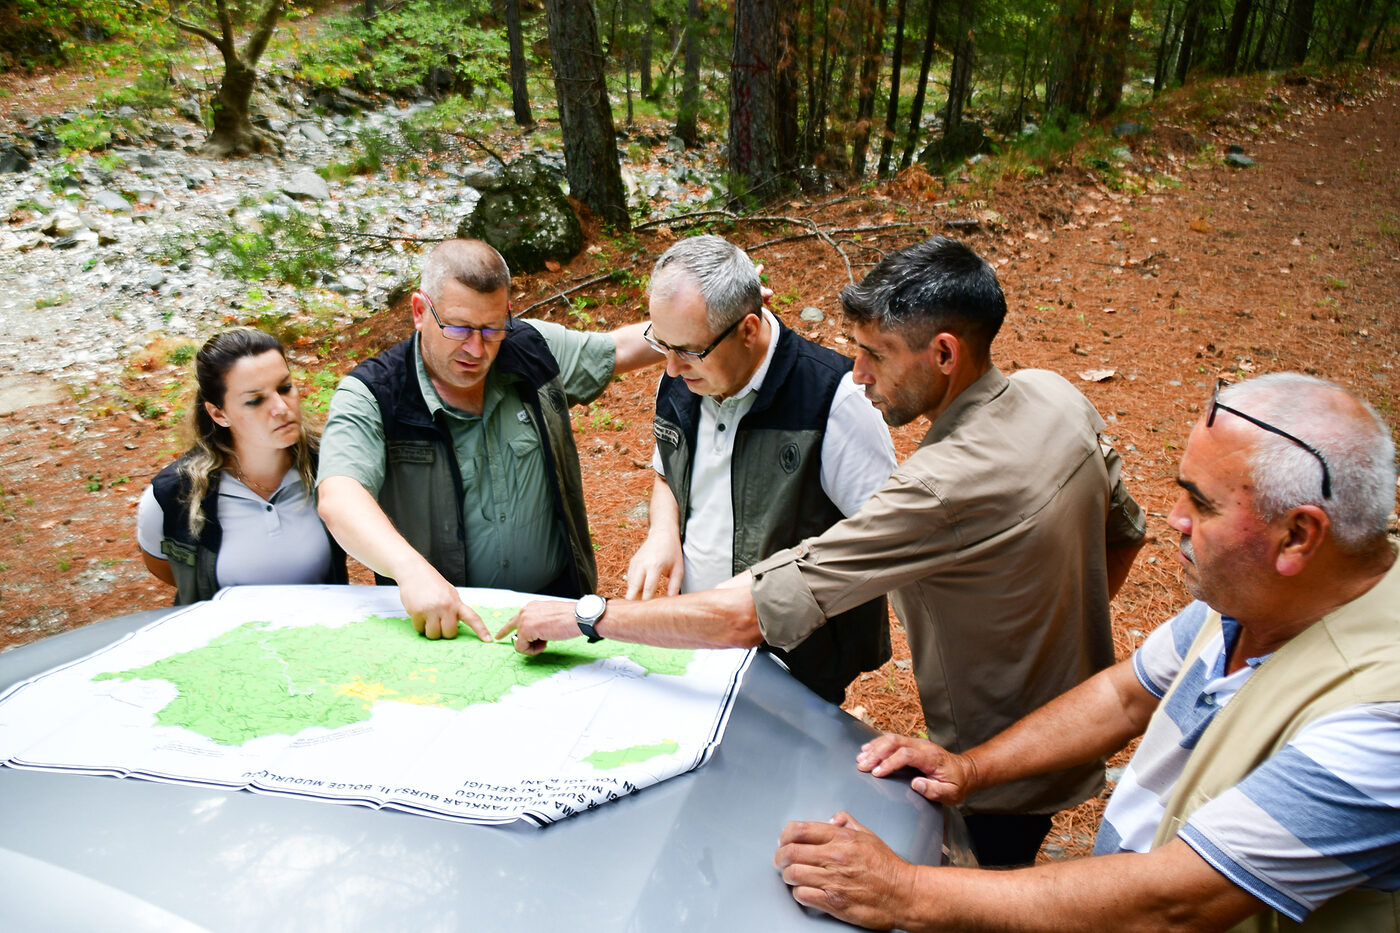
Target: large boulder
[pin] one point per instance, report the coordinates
(526, 216)
(966, 139)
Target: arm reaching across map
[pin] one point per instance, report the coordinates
(432, 603)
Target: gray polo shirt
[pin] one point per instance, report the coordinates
(513, 537)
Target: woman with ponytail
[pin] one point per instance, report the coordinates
(238, 507)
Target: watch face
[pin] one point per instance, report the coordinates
(590, 606)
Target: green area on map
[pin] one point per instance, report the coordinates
(259, 680)
(605, 761)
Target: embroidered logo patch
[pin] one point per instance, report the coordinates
(667, 432)
(789, 458)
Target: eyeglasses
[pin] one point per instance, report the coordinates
(690, 356)
(1216, 404)
(462, 331)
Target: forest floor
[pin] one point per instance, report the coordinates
(1141, 281)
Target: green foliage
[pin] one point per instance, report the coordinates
(397, 50)
(293, 249)
(323, 385)
(85, 132)
(181, 355)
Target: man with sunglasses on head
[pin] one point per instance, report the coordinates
(1265, 793)
(1000, 540)
(449, 460)
(762, 439)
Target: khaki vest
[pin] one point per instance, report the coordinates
(1350, 656)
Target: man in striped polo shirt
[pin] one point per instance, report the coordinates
(1267, 784)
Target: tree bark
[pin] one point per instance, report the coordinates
(585, 117)
(753, 101)
(233, 133)
(1239, 19)
(644, 52)
(916, 108)
(1300, 26)
(892, 110)
(869, 78)
(688, 113)
(960, 75)
(1113, 57)
(519, 89)
(1072, 86)
(1159, 73)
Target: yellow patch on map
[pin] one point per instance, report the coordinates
(371, 692)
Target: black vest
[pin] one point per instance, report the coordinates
(422, 490)
(778, 500)
(193, 560)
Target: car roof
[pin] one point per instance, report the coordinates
(691, 853)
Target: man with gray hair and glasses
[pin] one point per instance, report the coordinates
(762, 439)
(449, 460)
(1265, 793)
(1000, 540)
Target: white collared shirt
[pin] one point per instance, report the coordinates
(857, 458)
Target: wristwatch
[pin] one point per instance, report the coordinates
(587, 612)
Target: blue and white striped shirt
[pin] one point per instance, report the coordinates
(1319, 818)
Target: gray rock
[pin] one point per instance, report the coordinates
(1129, 129)
(189, 109)
(814, 315)
(313, 133)
(1238, 160)
(349, 284)
(12, 160)
(154, 279)
(148, 160)
(482, 179)
(107, 237)
(62, 225)
(307, 186)
(147, 197)
(1235, 148)
(675, 144)
(198, 177)
(111, 200)
(527, 217)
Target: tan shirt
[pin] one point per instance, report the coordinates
(991, 540)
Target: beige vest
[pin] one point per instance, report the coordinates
(1350, 656)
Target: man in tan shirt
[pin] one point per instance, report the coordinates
(1000, 540)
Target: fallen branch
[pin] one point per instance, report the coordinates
(564, 295)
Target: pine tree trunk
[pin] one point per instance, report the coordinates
(1239, 19)
(892, 110)
(688, 113)
(753, 101)
(916, 108)
(644, 53)
(1300, 26)
(869, 78)
(585, 117)
(519, 90)
(1113, 57)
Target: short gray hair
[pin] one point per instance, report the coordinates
(1356, 443)
(723, 272)
(473, 263)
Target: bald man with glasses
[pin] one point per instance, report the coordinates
(449, 460)
(762, 439)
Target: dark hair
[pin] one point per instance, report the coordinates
(934, 286)
(211, 447)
